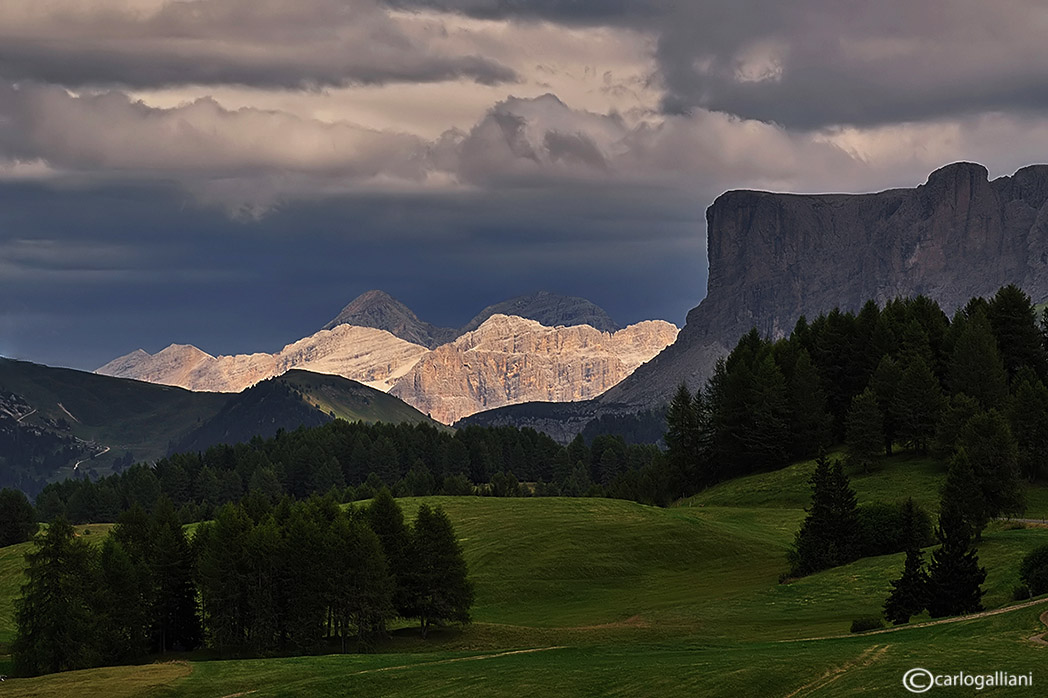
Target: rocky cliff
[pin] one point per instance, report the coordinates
(370, 356)
(548, 309)
(775, 257)
(509, 360)
(381, 311)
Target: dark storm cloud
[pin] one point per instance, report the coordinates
(813, 63)
(277, 43)
(153, 270)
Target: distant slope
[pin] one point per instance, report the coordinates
(293, 400)
(123, 415)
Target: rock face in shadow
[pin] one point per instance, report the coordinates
(776, 257)
(548, 309)
(381, 311)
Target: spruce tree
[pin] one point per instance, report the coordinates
(976, 367)
(1014, 323)
(920, 405)
(994, 457)
(1028, 415)
(123, 610)
(829, 535)
(56, 626)
(176, 621)
(864, 435)
(682, 432)
(439, 587)
(909, 594)
(886, 384)
(954, 576)
(809, 421)
(387, 521)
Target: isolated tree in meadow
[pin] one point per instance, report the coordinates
(439, 588)
(954, 576)
(830, 534)
(17, 517)
(909, 594)
(864, 434)
(56, 627)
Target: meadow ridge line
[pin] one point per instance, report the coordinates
(459, 659)
(929, 623)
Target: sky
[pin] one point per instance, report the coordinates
(230, 173)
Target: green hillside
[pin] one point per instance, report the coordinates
(605, 597)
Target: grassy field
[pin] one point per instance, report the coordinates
(582, 597)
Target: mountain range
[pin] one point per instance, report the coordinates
(551, 347)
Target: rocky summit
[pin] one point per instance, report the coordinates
(509, 360)
(504, 360)
(776, 257)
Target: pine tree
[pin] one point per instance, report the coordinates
(920, 405)
(682, 432)
(864, 436)
(976, 367)
(176, 622)
(809, 421)
(361, 593)
(1014, 322)
(387, 521)
(439, 588)
(829, 535)
(954, 576)
(1028, 415)
(56, 627)
(17, 517)
(123, 611)
(886, 384)
(994, 457)
(909, 594)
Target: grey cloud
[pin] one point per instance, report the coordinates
(277, 43)
(809, 64)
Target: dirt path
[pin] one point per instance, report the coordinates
(865, 659)
(19, 420)
(473, 658)
(927, 624)
(1041, 639)
(77, 464)
(68, 413)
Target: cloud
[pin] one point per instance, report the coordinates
(809, 64)
(304, 44)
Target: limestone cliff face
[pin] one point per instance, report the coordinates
(509, 360)
(775, 257)
(370, 356)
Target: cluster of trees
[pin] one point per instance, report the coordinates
(837, 530)
(903, 375)
(288, 577)
(17, 517)
(355, 460)
(835, 533)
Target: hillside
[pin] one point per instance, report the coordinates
(630, 598)
(295, 399)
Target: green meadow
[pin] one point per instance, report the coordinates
(587, 597)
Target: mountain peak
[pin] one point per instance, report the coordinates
(549, 309)
(382, 311)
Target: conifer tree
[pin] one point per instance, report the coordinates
(1014, 323)
(56, 627)
(1028, 415)
(122, 607)
(17, 517)
(909, 594)
(886, 384)
(682, 436)
(829, 535)
(864, 434)
(439, 588)
(387, 521)
(954, 576)
(975, 365)
(176, 622)
(994, 457)
(920, 405)
(809, 421)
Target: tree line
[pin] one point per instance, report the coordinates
(289, 578)
(902, 376)
(356, 460)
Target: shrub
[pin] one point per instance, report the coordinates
(862, 625)
(881, 528)
(1033, 570)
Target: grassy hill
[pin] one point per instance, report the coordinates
(147, 420)
(603, 597)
